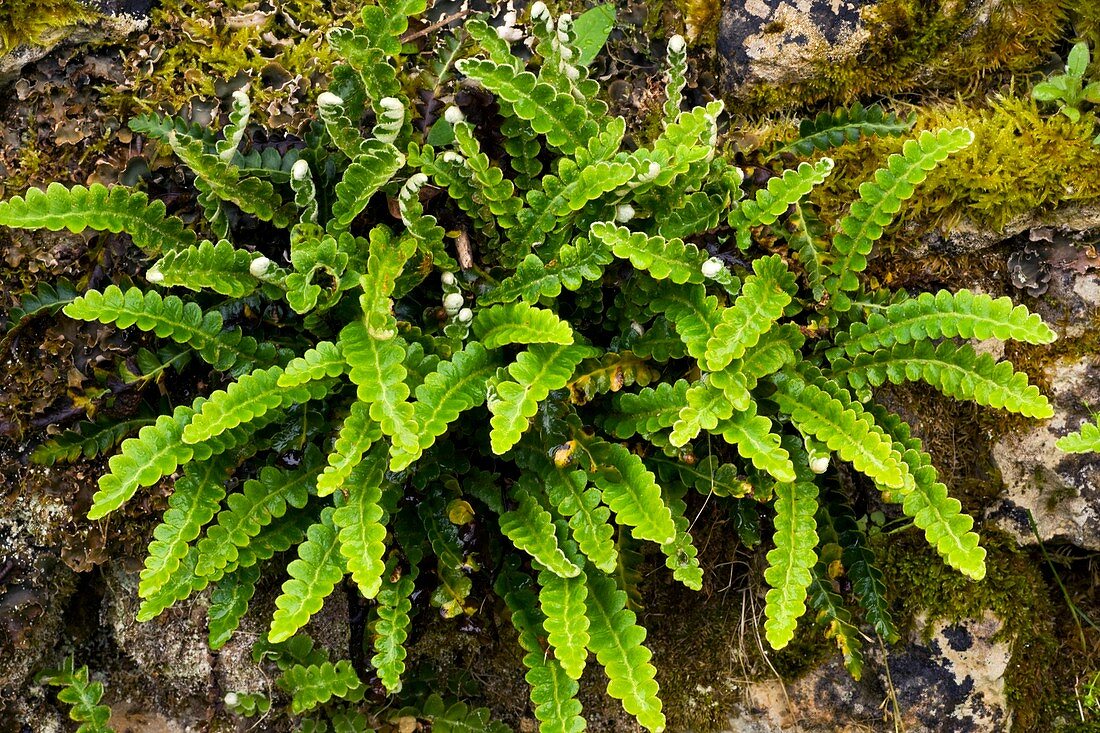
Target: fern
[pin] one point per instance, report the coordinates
(695, 315)
(378, 371)
(536, 372)
(807, 240)
(837, 620)
(315, 684)
(631, 491)
(228, 604)
(549, 112)
(956, 370)
(791, 563)
(676, 70)
(772, 202)
(880, 199)
(458, 717)
(832, 129)
(88, 439)
(944, 314)
(531, 529)
(648, 411)
(357, 433)
(706, 407)
(100, 208)
(563, 602)
(374, 165)
(195, 500)
(47, 298)
(322, 361)
(169, 317)
(218, 267)
(1085, 440)
(762, 301)
(698, 212)
(250, 194)
(313, 575)
(391, 628)
(360, 526)
(574, 264)
(81, 694)
(681, 555)
(588, 518)
(617, 641)
(520, 323)
(672, 259)
(752, 435)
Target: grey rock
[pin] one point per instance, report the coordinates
(781, 41)
(1061, 491)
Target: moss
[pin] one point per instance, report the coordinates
(926, 47)
(1023, 161)
(199, 49)
(38, 22)
(1039, 678)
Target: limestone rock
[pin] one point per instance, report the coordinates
(1061, 491)
(953, 681)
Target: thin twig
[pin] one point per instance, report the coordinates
(435, 26)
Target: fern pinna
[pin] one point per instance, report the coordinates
(574, 376)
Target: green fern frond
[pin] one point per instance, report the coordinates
(360, 525)
(357, 434)
(697, 212)
(926, 500)
(576, 263)
(458, 717)
(588, 517)
(229, 603)
(648, 411)
(552, 691)
(842, 425)
(391, 628)
(490, 42)
(832, 129)
(519, 323)
(313, 575)
(1085, 440)
(618, 641)
(375, 164)
(250, 397)
(563, 602)
(609, 372)
(762, 301)
(315, 684)
(681, 557)
(378, 371)
(495, 191)
(676, 71)
(169, 317)
(261, 501)
(632, 492)
(880, 199)
(218, 267)
(323, 361)
(250, 194)
(752, 435)
(956, 370)
(695, 315)
(536, 372)
(97, 207)
(239, 111)
(791, 563)
(807, 239)
(672, 259)
(454, 387)
(194, 501)
(772, 202)
(776, 348)
(89, 439)
(46, 298)
(531, 529)
(559, 117)
(837, 620)
(81, 694)
(708, 476)
(706, 405)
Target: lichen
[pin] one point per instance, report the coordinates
(38, 22)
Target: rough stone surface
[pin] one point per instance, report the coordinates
(781, 41)
(953, 680)
(119, 18)
(1061, 491)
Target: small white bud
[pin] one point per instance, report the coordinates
(240, 98)
(412, 186)
(712, 267)
(465, 315)
(572, 73)
(452, 302)
(154, 275)
(624, 213)
(539, 11)
(389, 103)
(231, 699)
(448, 279)
(566, 53)
(259, 267)
(454, 115)
(300, 170)
(563, 37)
(819, 464)
(328, 99)
(637, 328)
(451, 156)
(676, 44)
(654, 169)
